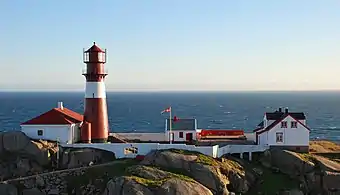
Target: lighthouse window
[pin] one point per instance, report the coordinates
(40, 132)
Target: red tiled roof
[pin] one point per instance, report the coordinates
(278, 121)
(56, 116)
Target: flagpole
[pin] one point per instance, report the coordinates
(170, 127)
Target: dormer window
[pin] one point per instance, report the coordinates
(293, 124)
(284, 124)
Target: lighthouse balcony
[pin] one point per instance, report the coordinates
(104, 72)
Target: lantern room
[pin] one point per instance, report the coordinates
(94, 55)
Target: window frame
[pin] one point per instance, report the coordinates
(40, 132)
(295, 124)
(284, 124)
(279, 135)
(181, 134)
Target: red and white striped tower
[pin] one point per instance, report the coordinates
(95, 95)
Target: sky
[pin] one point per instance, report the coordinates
(172, 45)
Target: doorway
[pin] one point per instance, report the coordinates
(188, 136)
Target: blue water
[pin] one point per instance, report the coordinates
(141, 111)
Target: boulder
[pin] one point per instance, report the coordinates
(7, 189)
(176, 186)
(14, 141)
(207, 174)
(125, 186)
(79, 157)
(33, 191)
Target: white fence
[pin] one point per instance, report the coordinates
(131, 150)
(232, 149)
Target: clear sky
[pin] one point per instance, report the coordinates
(173, 44)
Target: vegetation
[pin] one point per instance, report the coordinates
(201, 158)
(99, 175)
(323, 146)
(272, 182)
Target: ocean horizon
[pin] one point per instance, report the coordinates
(140, 111)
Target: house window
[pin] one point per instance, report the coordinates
(279, 137)
(284, 124)
(40, 132)
(180, 134)
(293, 124)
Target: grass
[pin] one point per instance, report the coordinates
(155, 183)
(201, 158)
(273, 182)
(232, 165)
(99, 175)
(306, 157)
(323, 146)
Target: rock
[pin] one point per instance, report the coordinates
(72, 158)
(7, 189)
(14, 141)
(33, 191)
(179, 187)
(125, 186)
(148, 172)
(291, 192)
(287, 162)
(207, 175)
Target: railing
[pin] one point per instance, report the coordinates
(105, 71)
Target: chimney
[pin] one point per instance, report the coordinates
(280, 109)
(286, 110)
(60, 105)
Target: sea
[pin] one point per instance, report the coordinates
(141, 111)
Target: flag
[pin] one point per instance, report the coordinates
(176, 119)
(166, 110)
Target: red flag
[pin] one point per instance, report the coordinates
(166, 110)
(176, 119)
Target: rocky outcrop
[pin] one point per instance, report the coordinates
(72, 158)
(153, 181)
(211, 173)
(21, 156)
(316, 174)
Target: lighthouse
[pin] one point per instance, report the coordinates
(95, 126)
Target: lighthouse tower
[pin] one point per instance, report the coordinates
(95, 122)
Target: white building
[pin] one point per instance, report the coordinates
(287, 130)
(57, 124)
(182, 130)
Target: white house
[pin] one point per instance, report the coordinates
(286, 130)
(57, 124)
(182, 130)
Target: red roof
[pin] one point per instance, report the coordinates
(94, 48)
(278, 121)
(56, 116)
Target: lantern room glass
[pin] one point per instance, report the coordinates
(101, 58)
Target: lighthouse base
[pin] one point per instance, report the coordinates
(98, 140)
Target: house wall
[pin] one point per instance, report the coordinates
(250, 136)
(75, 133)
(291, 136)
(183, 139)
(232, 149)
(144, 148)
(142, 136)
(50, 132)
